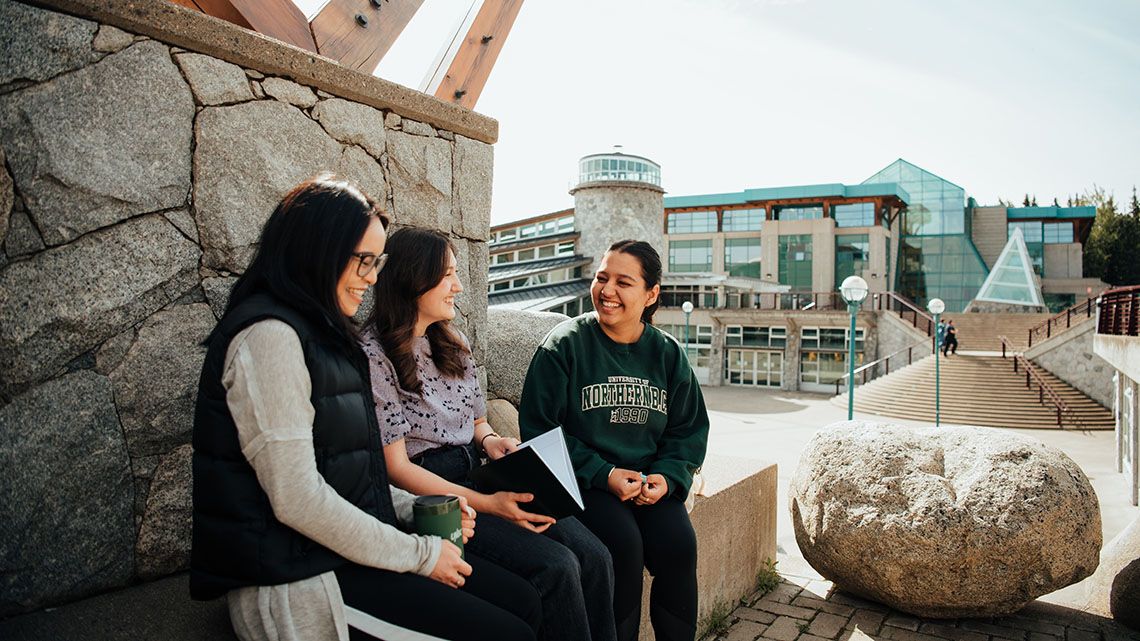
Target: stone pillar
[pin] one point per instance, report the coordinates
(609, 211)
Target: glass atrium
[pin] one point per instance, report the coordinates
(937, 258)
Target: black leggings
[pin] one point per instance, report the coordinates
(493, 604)
(659, 537)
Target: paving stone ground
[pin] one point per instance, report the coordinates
(808, 608)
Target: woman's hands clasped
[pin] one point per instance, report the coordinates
(640, 488)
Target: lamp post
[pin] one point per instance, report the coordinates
(687, 307)
(936, 307)
(854, 290)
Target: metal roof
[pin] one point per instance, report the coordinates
(1022, 213)
(831, 190)
(533, 240)
(540, 298)
(508, 271)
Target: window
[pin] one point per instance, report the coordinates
(754, 367)
(854, 215)
(566, 249)
(565, 224)
(806, 212)
(505, 257)
(747, 336)
(743, 219)
(742, 256)
(824, 368)
(795, 261)
(508, 234)
(699, 296)
(1034, 235)
(546, 251)
(852, 252)
(1055, 233)
(528, 231)
(692, 222)
(690, 255)
(829, 338)
(526, 254)
(698, 334)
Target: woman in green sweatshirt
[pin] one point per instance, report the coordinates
(637, 429)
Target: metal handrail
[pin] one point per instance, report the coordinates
(1044, 389)
(1052, 325)
(1119, 313)
(907, 310)
(887, 366)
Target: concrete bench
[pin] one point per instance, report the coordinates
(736, 533)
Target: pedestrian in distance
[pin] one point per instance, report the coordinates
(950, 341)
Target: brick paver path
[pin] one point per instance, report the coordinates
(811, 609)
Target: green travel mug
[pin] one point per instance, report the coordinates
(439, 515)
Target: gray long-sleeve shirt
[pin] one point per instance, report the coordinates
(267, 391)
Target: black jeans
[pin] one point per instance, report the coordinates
(568, 565)
(659, 537)
(493, 604)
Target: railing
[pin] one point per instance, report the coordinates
(1044, 389)
(907, 310)
(1119, 312)
(1062, 321)
(777, 301)
(886, 361)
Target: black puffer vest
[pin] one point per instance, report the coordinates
(237, 541)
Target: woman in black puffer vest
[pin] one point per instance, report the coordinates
(293, 513)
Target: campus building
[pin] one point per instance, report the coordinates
(762, 266)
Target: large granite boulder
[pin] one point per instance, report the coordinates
(102, 144)
(1114, 589)
(164, 538)
(512, 337)
(66, 527)
(943, 522)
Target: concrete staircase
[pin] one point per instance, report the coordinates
(977, 389)
(979, 332)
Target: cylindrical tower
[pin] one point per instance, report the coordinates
(618, 196)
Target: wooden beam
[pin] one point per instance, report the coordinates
(341, 36)
(280, 19)
(468, 68)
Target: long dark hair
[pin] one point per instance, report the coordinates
(417, 262)
(650, 262)
(306, 245)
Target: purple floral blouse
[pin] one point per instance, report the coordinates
(443, 414)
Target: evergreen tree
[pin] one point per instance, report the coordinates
(1134, 206)
(1055, 203)
(1033, 203)
(1112, 251)
(1025, 203)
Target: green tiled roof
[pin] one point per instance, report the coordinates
(833, 190)
(1033, 213)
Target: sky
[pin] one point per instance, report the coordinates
(1002, 97)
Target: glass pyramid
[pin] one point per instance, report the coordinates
(1011, 280)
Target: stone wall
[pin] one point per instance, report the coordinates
(896, 334)
(135, 178)
(1071, 358)
(606, 212)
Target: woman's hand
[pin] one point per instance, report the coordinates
(466, 519)
(499, 446)
(506, 505)
(450, 569)
(624, 484)
(653, 490)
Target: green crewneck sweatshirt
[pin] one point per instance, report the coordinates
(636, 406)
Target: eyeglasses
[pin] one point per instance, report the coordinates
(369, 263)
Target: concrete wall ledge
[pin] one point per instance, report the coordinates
(195, 31)
(1122, 352)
